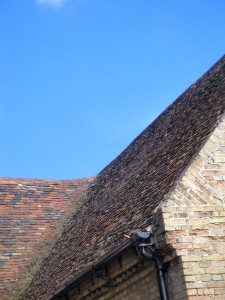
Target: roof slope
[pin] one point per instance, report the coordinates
(124, 194)
(29, 209)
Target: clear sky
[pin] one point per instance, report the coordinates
(80, 79)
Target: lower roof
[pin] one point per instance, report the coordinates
(29, 210)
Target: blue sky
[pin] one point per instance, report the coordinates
(80, 79)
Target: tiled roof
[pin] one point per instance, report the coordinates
(29, 210)
(124, 195)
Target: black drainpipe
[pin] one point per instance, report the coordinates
(147, 252)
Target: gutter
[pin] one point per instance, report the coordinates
(145, 251)
(89, 271)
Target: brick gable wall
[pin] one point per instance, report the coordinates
(194, 225)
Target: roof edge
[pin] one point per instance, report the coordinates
(96, 266)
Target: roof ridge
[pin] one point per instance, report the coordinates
(15, 179)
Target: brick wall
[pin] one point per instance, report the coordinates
(193, 218)
(128, 277)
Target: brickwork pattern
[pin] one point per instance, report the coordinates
(139, 287)
(29, 211)
(194, 223)
(130, 278)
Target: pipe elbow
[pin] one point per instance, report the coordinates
(145, 253)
